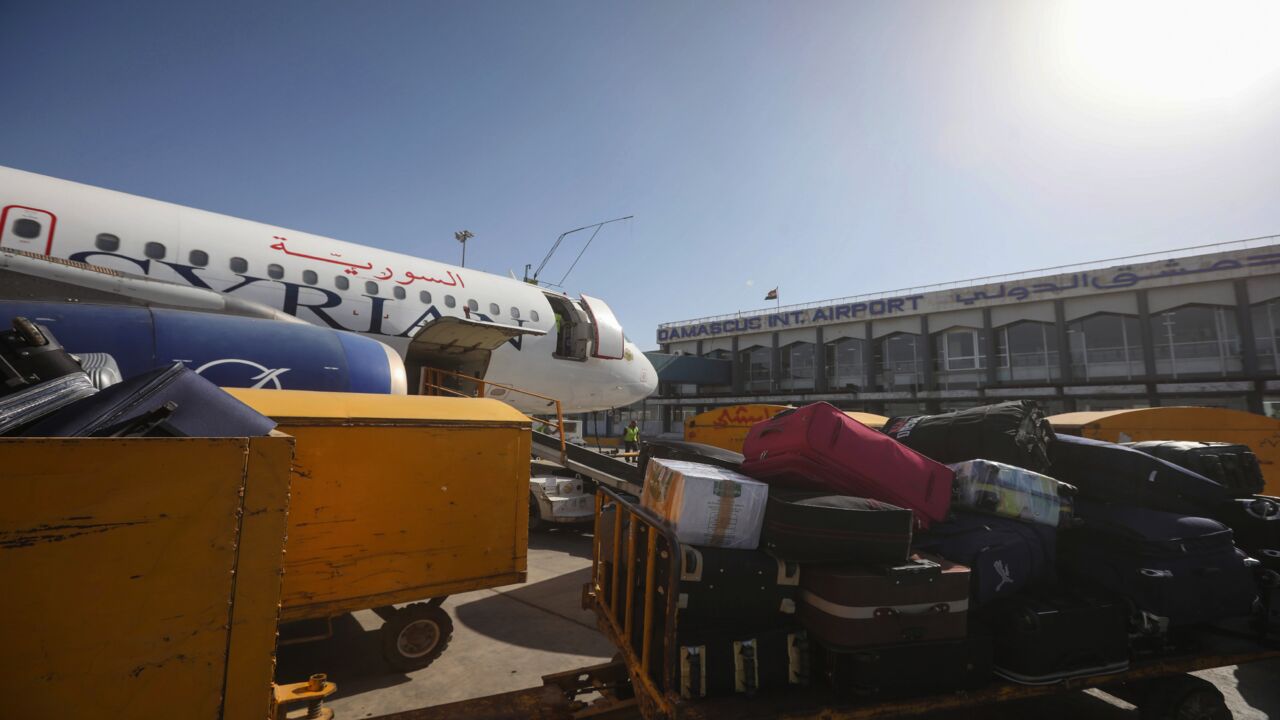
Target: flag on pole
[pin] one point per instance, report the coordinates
(773, 294)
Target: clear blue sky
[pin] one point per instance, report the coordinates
(829, 148)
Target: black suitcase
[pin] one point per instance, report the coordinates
(1115, 473)
(1003, 555)
(1046, 636)
(1255, 522)
(1232, 466)
(1016, 433)
(688, 451)
(713, 664)
(1183, 569)
(910, 669)
(170, 401)
(809, 527)
(30, 355)
(719, 587)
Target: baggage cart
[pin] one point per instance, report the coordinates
(398, 499)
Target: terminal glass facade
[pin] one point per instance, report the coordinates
(1266, 333)
(795, 370)
(1196, 340)
(961, 361)
(902, 358)
(1027, 352)
(844, 365)
(758, 361)
(1105, 346)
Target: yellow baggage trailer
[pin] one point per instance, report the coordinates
(1203, 424)
(726, 427)
(400, 499)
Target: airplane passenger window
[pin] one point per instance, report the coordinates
(449, 301)
(199, 258)
(494, 309)
(274, 271)
(533, 315)
(26, 228)
(153, 250)
(370, 287)
(239, 265)
(398, 292)
(472, 305)
(341, 282)
(107, 241)
(309, 277)
(425, 297)
(515, 313)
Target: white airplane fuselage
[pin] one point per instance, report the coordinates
(386, 295)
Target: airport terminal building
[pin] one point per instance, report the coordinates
(1193, 327)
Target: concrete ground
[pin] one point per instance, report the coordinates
(507, 639)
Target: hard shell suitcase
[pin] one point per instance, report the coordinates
(1003, 556)
(690, 451)
(818, 447)
(1047, 636)
(1181, 568)
(170, 401)
(30, 355)
(1114, 473)
(715, 664)
(1012, 492)
(1255, 523)
(1014, 432)
(817, 528)
(910, 669)
(851, 607)
(1232, 466)
(722, 587)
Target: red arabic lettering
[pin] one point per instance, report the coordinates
(352, 268)
(740, 417)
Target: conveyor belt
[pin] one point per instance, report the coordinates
(605, 470)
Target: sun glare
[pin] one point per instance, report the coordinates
(1168, 52)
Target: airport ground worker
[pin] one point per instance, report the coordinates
(631, 437)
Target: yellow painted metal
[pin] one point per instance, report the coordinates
(1260, 433)
(142, 576)
(399, 498)
(727, 427)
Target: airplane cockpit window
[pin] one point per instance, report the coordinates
(472, 305)
(199, 258)
(274, 271)
(153, 250)
(495, 310)
(105, 242)
(425, 297)
(533, 315)
(26, 228)
(449, 301)
(515, 313)
(370, 287)
(239, 265)
(398, 292)
(309, 277)
(341, 282)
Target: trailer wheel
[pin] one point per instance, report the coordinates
(415, 636)
(1184, 697)
(536, 522)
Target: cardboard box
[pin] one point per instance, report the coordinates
(708, 505)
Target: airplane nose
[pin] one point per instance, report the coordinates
(644, 378)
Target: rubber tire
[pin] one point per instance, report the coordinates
(414, 615)
(1184, 698)
(536, 522)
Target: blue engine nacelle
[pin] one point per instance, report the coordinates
(229, 350)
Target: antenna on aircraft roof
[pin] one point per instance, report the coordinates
(556, 245)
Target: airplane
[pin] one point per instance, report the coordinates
(69, 240)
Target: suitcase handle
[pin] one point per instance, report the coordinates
(899, 617)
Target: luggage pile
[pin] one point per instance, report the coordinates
(897, 563)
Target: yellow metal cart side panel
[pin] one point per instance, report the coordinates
(727, 427)
(118, 558)
(255, 611)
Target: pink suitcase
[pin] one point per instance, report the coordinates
(818, 447)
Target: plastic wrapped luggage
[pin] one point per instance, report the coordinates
(1115, 473)
(36, 401)
(30, 355)
(1047, 636)
(1181, 568)
(689, 452)
(720, 587)
(818, 528)
(1014, 432)
(707, 505)
(910, 669)
(818, 447)
(1003, 556)
(172, 401)
(722, 663)
(852, 607)
(1012, 492)
(1232, 466)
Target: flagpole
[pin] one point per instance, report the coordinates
(777, 298)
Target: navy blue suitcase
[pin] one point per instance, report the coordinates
(910, 669)
(1255, 522)
(1118, 474)
(1003, 555)
(171, 401)
(1051, 634)
(1184, 569)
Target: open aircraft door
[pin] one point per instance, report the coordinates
(460, 345)
(609, 343)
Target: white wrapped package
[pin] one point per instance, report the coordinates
(708, 505)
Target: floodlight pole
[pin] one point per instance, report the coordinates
(463, 236)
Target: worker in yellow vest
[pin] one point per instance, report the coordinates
(631, 437)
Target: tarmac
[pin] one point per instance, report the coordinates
(508, 638)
